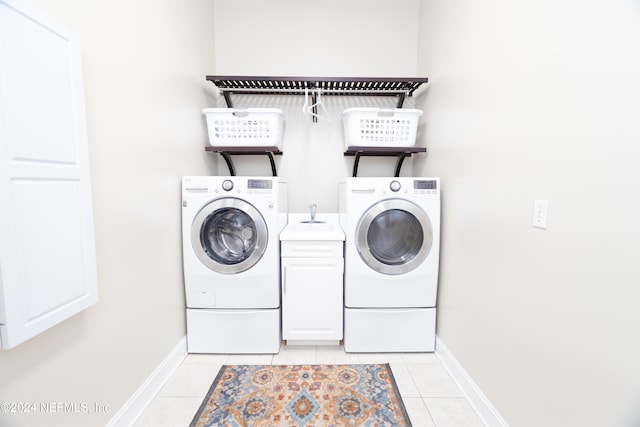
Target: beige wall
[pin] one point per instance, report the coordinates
(335, 38)
(144, 64)
(539, 100)
(329, 38)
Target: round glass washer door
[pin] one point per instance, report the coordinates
(394, 236)
(229, 235)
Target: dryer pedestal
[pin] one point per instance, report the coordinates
(233, 331)
(389, 330)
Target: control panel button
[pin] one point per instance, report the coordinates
(394, 185)
(227, 185)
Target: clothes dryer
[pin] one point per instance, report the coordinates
(392, 228)
(230, 228)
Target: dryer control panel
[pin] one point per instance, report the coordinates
(262, 184)
(425, 186)
(429, 187)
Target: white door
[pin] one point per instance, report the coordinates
(47, 249)
(394, 236)
(312, 302)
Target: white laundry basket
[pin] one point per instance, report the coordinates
(248, 127)
(380, 127)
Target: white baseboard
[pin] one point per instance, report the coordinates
(135, 406)
(472, 392)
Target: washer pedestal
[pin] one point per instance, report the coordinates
(233, 331)
(389, 330)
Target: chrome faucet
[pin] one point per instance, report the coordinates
(312, 214)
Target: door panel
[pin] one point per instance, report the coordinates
(49, 243)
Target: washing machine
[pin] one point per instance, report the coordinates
(230, 229)
(392, 247)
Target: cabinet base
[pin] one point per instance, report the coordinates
(313, 342)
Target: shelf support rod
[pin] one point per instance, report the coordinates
(227, 98)
(401, 154)
(356, 162)
(232, 171)
(227, 152)
(227, 159)
(401, 158)
(272, 163)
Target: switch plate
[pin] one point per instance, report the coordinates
(540, 209)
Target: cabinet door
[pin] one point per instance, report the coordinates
(47, 250)
(312, 298)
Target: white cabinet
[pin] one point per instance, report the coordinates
(312, 298)
(312, 285)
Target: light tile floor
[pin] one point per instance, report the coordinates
(430, 396)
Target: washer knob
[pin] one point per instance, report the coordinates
(227, 185)
(395, 185)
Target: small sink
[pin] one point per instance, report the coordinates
(301, 227)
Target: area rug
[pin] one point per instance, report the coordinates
(302, 396)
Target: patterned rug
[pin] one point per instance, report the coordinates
(303, 396)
